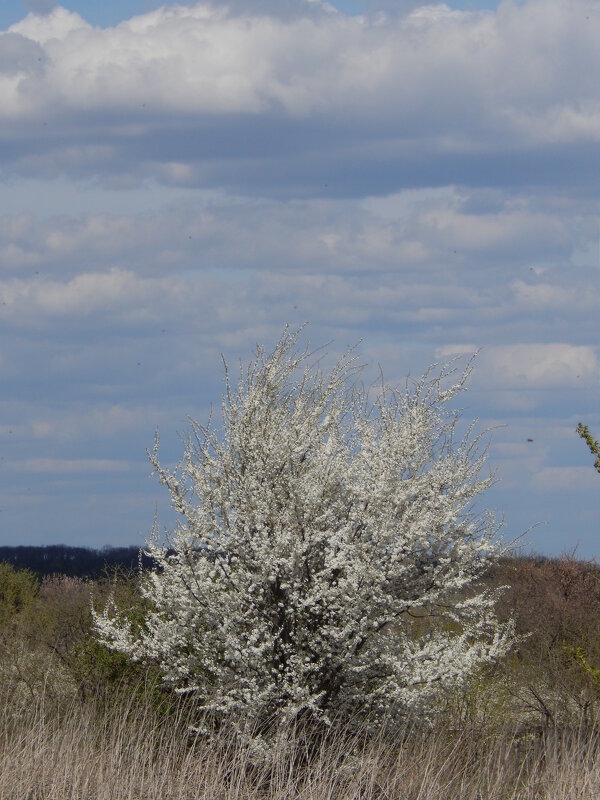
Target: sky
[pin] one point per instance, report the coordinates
(181, 181)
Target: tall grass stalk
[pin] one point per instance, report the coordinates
(129, 751)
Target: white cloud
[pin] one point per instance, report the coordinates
(546, 296)
(432, 80)
(80, 296)
(499, 230)
(564, 478)
(115, 292)
(53, 27)
(105, 421)
(451, 350)
(538, 366)
(333, 235)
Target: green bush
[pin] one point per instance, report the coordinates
(46, 642)
(18, 592)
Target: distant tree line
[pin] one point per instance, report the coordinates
(76, 562)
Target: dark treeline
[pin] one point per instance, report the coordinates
(85, 562)
(77, 562)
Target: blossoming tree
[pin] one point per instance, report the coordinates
(328, 554)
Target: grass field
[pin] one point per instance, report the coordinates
(79, 723)
(127, 752)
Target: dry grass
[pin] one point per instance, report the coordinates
(127, 752)
(58, 741)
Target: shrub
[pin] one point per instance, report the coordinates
(326, 543)
(47, 645)
(555, 604)
(18, 590)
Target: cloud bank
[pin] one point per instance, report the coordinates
(326, 102)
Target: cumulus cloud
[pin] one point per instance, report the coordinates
(19, 55)
(85, 294)
(539, 366)
(307, 101)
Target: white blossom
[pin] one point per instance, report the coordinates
(328, 555)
